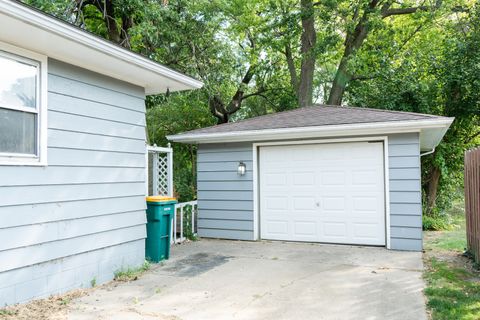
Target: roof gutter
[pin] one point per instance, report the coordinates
(427, 152)
(316, 131)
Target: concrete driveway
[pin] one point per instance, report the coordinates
(220, 279)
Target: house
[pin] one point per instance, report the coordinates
(72, 154)
(319, 174)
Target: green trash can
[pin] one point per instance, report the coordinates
(160, 211)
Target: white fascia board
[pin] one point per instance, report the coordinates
(372, 128)
(33, 30)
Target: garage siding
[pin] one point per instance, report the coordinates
(405, 192)
(225, 200)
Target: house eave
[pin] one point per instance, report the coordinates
(30, 29)
(431, 132)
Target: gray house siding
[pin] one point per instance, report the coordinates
(225, 200)
(405, 192)
(83, 216)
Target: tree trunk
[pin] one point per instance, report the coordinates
(342, 78)
(353, 42)
(291, 68)
(110, 23)
(308, 43)
(116, 33)
(432, 188)
(222, 111)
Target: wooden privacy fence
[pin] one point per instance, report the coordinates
(472, 201)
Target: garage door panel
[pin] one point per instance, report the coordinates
(274, 179)
(305, 229)
(334, 231)
(365, 177)
(333, 178)
(304, 203)
(276, 227)
(365, 204)
(276, 203)
(303, 178)
(323, 193)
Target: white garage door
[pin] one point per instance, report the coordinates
(323, 193)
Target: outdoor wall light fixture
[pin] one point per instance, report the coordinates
(242, 169)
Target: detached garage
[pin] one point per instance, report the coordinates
(320, 174)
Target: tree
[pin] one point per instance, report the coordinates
(262, 56)
(308, 43)
(365, 18)
(436, 72)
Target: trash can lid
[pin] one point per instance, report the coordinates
(160, 198)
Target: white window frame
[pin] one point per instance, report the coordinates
(41, 61)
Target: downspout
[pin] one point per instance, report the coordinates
(427, 152)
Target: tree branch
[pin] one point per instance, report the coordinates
(291, 67)
(401, 11)
(409, 10)
(236, 101)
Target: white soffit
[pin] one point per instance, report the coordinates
(30, 29)
(431, 132)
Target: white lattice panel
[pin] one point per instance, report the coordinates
(162, 168)
(160, 171)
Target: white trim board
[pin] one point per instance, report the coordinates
(256, 189)
(29, 28)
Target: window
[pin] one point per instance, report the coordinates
(22, 107)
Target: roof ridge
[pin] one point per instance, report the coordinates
(380, 110)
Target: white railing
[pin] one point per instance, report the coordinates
(178, 234)
(159, 164)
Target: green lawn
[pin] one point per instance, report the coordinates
(453, 285)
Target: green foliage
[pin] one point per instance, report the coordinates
(7, 312)
(131, 274)
(453, 287)
(452, 293)
(435, 222)
(437, 73)
(455, 236)
(425, 62)
(174, 114)
(187, 223)
(93, 282)
(58, 8)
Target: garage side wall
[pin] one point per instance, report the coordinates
(76, 221)
(225, 199)
(405, 192)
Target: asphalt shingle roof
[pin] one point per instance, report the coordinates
(317, 115)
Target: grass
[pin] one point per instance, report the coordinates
(453, 293)
(131, 274)
(450, 240)
(453, 285)
(5, 312)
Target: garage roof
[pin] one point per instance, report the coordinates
(34, 30)
(323, 121)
